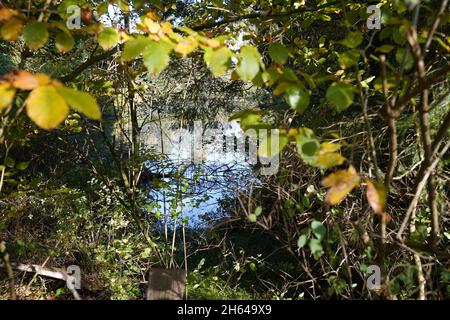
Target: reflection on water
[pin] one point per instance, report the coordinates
(190, 190)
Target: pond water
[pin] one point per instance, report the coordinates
(192, 189)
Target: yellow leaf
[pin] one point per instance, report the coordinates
(213, 43)
(186, 46)
(341, 183)
(167, 27)
(46, 107)
(327, 157)
(153, 27)
(7, 93)
(12, 29)
(376, 194)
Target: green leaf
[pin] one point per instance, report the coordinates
(278, 53)
(318, 229)
(297, 98)
(307, 147)
(349, 58)
(35, 35)
(64, 42)
(134, 48)
(250, 119)
(156, 56)
(10, 162)
(270, 76)
(403, 53)
(108, 38)
(252, 217)
(273, 143)
(399, 35)
(386, 48)
(353, 39)
(22, 165)
(316, 248)
(46, 107)
(340, 96)
(249, 63)
(302, 240)
(218, 60)
(258, 211)
(81, 102)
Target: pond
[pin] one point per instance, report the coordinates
(194, 179)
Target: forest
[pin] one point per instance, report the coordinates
(224, 150)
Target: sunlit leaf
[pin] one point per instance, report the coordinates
(341, 183)
(218, 60)
(156, 56)
(328, 160)
(81, 102)
(134, 48)
(7, 93)
(25, 80)
(46, 107)
(376, 195)
(108, 38)
(186, 46)
(297, 98)
(249, 63)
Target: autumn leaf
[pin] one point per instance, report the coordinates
(12, 29)
(7, 93)
(7, 13)
(341, 183)
(376, 194)
(327, 156)
(46, 107)
(25, 80)
(186, 46)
